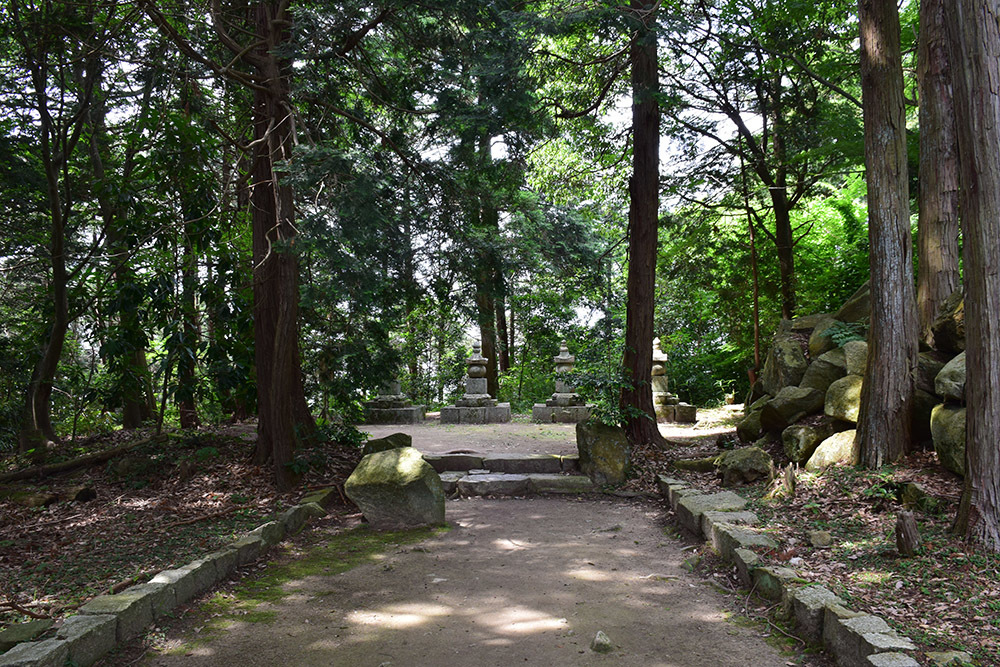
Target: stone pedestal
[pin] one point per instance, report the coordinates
(392, 407)
(667, 406)
(565, 406)
(476, 406)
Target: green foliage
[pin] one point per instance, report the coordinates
(844, 332)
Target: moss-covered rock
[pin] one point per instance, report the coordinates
(856, 357)
(785, 365)
(948, 432)
(838, 448)
(824, 371)
(397, 489)
(394, 441)
(843, 399)
(801, 440)
(790, 405)
(950, 381)
(857, 308)
(605, 454)
(744, 466)
(820, 341)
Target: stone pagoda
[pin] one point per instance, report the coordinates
(667, 406)
(476, 406)
(565, 406)
(392, 407)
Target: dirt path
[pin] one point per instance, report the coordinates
(516, 581)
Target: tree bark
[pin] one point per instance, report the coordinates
(284, 420)
(644, 201)
(975, 54)
(938, 225)
(187, 363)
(883, 434)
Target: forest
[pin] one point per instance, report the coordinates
(218, 211)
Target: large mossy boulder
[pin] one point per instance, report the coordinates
(749, 428)
(785, 365)
(605, 454)
(929, 364)
(857, 308)
(394, 441)
(396, 489)
(820, 340)
(948, 432)
(801, 440)
(790, 405)
(923, 406)
(856, 357)
(843, 399)
(948, 327)
(744, 466)
(950, 381)
(824, 371)
(808, 322)
(838, 448)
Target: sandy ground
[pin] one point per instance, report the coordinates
(516, 581)
(433, 437)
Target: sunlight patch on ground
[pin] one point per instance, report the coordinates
(507, 544)
(521, 620)
(588, 574)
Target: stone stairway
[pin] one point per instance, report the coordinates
(470, 474)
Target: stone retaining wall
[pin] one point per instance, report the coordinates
(109, 620)
(853, 639)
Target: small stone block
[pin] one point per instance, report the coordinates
(712, 517)
(248, 549)
(446, 462)
(494, 485)
(226, 561)
(522, 463)
(271, 532)
(162, 598)
(322, 497)
(133, 608)
(808, 608)
(189, 581)
(745, 561)
(88, 637)
(677, 491)
(46, 653)
(685, 414)
(726, 538)
(948, 658)
(449, 480)
(854, 638)
(690, 508)
(663, 483)
(295, 518)
(22, 632)
(570, 463)
(892, 660)
(551, 483)
(771, 582)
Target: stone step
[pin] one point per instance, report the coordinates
(505, 463)
(486, 483)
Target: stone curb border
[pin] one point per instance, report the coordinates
(109, 620)
(854, 639)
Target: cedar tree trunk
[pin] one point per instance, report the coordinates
(937, 235)
(284, 421)
(883, 434)
(644, 201)
(975, 50)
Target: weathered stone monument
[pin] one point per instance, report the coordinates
(392, 407)
(476, 406)
(565, 406)
(667, 406)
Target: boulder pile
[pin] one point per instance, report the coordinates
(809, 390)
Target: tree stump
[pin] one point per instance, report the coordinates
(788, 481)
(907, 534)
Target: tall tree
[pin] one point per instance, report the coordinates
(974, 30)
(937, 228)
(643, 221)
(883, 433)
